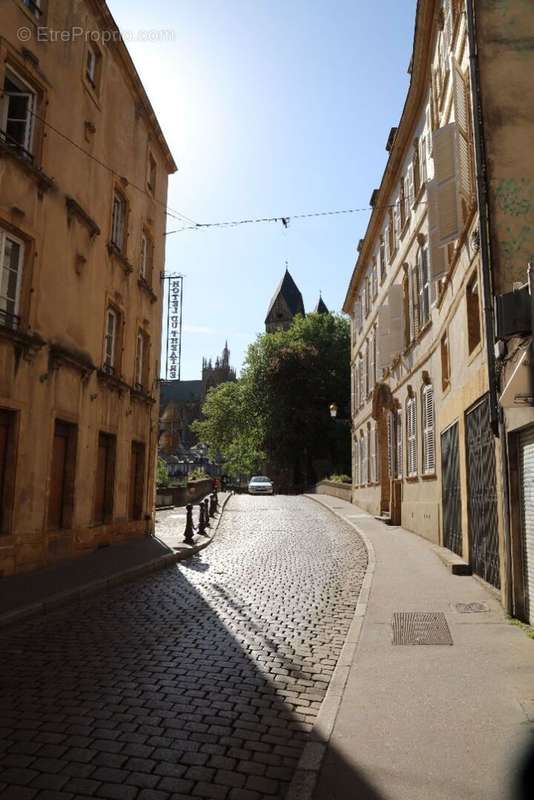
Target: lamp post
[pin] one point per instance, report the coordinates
(333, 410)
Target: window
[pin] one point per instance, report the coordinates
(391, 235)
(145, 262)
(365, 458)
(11, 255)
(356, 459)
(416, 168)
(93, 60)
(410, 288)
(17, 110)
(152, 170)
(365, 388)
(358, 315)
(411, 437)
(367, 297)
(372, 360)
(118, 222)
(7, 467)
(374, 279)
(137, 480)
(445, 362)
(34, 6)
(423, 281)
(141, 361)
(105, 478)
(473, 314)
(429, 449)
(111, 340)
(390, 426)
(62, 469)
(403, 205)
(371, 433)
(361, 397)
(382, 260)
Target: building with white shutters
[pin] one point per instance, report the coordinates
(452, 225)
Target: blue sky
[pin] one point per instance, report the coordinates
(271, 107)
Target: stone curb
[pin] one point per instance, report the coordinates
(306, 774)
(81, 593)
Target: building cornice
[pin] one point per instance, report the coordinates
(425, 21)
(108, 23)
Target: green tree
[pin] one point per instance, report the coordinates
(276, 416)
(162, 474)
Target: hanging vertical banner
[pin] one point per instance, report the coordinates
(175, 290)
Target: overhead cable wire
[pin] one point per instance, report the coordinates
(285, 220)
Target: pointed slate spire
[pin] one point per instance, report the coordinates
(321, 307)
(285, 303)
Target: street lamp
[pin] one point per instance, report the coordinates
(333, 410)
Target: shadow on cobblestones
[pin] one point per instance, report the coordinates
(194, 682)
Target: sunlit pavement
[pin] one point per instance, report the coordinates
(202, 680)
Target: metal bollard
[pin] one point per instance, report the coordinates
(207, 512)
(216, 499)
(201, 520)
(189, 527)
(213, 505)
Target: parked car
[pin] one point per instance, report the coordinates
(260, 484)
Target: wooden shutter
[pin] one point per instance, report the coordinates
(411, 436)
(461, 113)
(429, 455)
(398, 431)
(137, 475)
(389, 431)
(446, 175)
(437, 260)
(57, 477)
(395, 315)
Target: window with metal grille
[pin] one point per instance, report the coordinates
(118, 221)
(11, 256)
(427, 419)
(17, 110)
(411, 437)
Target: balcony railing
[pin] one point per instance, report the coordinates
(7, 320)
(108, 368)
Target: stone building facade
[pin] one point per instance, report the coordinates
(83, 186)
(429, 439)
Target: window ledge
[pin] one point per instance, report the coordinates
(145, 286)
(475, 352)
(141, 395)
(113, 382)
(27, 343)
(43, 181)
(429, 476)
(115, 253)
(74, 209)
(412, 478)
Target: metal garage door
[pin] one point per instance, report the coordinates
(482, 494)
(526, 473)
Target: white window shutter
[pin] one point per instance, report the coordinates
(399, 444)
(437, 265)
(410, 194)
(461, 113)
(429, 456)
(411, 436)
(395, 303)
(446, 176)
(382, 340)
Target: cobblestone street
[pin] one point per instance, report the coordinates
(202, 680)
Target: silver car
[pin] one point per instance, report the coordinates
(260, 484)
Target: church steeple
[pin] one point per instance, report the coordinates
(285, 304)
(321, 308)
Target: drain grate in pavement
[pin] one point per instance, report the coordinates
(471, 608)
(420, 627)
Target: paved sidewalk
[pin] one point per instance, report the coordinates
(408, 722)
(71, 580)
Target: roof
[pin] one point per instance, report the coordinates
(321, 308)
(400, 138)
(291, 294)
(180, 392)
(109, 24)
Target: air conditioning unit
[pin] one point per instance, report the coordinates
(513, 313)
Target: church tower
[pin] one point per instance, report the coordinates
(285, 304)
(321, 307)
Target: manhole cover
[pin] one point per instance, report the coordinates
(420, 627)
(471, 608)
